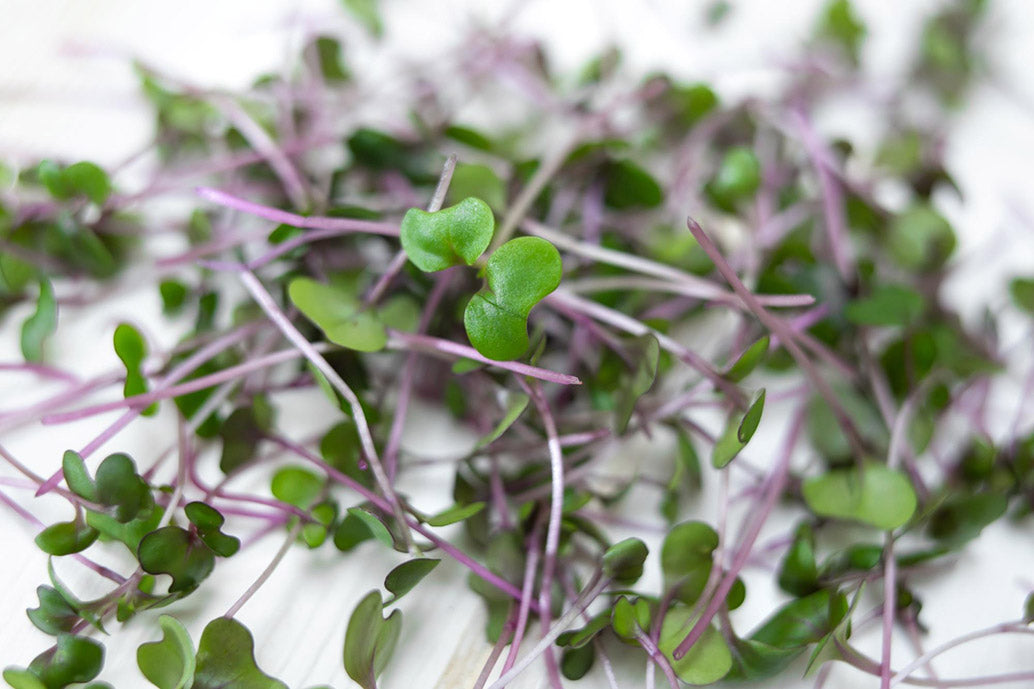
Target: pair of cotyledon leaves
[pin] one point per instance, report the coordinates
(519, 274)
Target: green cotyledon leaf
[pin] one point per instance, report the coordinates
(452, 236)
(520, 274)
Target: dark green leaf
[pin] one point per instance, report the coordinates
(803, 621)
(351, 532)
(74, 659)
(65, 538)
(962, 517)
(132, 350)
(840, 23)
(738, 432)
(798, 573)
(737, 179)
(209, 523)
(575, 663)
(241, 433)
(515, 406)
(340, 448)
(403, 578)
(328, 55)
(226, 658)
(629, 186)
(646, 354)
(375, 525)
(174, 296)
(920, 238)
(623, 561)
(1022, 292)
(370, 640)
(40, 324)
(54, 614)
(119, 487)
(751, 419)
(174, 551)
(169, 663)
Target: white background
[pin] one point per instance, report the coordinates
(66, 90)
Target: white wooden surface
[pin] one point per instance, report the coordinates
(66, 90)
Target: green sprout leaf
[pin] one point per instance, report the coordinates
(374, 525)
(456, 513)
(132, 350)
(402, 579)
(87, 179)
(1022, 292)
(798, 573)
(630, 186)
(169, 663)
(55, 614)
(208, 522)
(737, 179)
(575, 663)
(370, 640)
(840, 24)
(888, 305)
(921, 239)
(72, 660)
(520, 274)
(876, 495)
(452, 236)
(623, 561)
(174, 551)
(748, 361)
(40, 324)
(242, 432)
(707, 661)
(478, 181)
(515, 406)
(367, 13)
(338, 314)
(117, 486)
(77, 477)
(226, 658)
(297, 486)
(737, 433)
(646, 353)
(65, 538)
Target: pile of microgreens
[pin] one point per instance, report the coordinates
(544, 298)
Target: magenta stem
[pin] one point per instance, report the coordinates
(287, 218)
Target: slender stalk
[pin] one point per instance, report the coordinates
(285, 217)
(292, 536)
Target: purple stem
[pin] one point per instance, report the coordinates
(287, 218)
(409, 341)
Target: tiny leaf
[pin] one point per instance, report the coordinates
(338, 314)
(876, 495)
(403, 578)
(169, 663)
(452, 236)
(370, 640)
(40, 324)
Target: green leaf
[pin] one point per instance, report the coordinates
(798, 573)
(341, 449)
(686, 558)
(297, 486)
(962, 517)
(22, 679)
(174, 551)
(65, 538)
(646, 354)
(87, 179)
(131, 349)
(40, 324)
(738, 432)
(452, 236)
(77, 477)
(226, 658)
(515, 405)
(920, 238)
(73, 659)
(351, 532)
(370, 640)
(748, 361)
(876, 495)
(338, 314)
(707, 661)
(754, 660)
(403, 578)
(328, 54)
(119, 487)
(129, 533)
(576, 638)
(840, 23)
(888, 305)
(623, 561)
(479, 181)
(375, 525)
(242, 432)
(1022, 292)
(737, 179)
(751, 419)
(209, 523)
(803, 621)
(575, 663)
(623, 618)
(169, 663)
(456, 513)
(174, 296)
(520, 273)
(368, 13)
(55, 614)
(629, 186)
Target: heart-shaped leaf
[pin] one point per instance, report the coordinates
(403, 578)
(452, 236)
(226, 658)
(121, 488)
(174, 551)
(65, 538)
(338, 314)
(209, 523)
(519, 273)
(37, 327)
(72, 660)
(54, 614)
(131, 349)
(876, 495)
(623, 561)
(707, 661)
(169, 663)
(370, 640)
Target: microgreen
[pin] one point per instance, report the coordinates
(796, 329)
